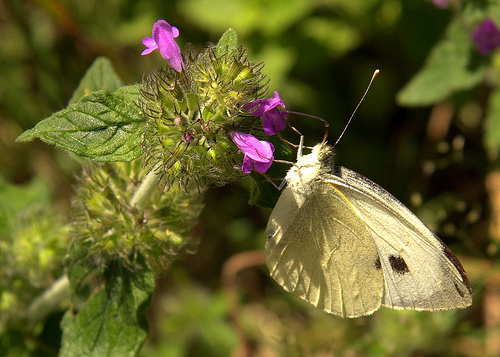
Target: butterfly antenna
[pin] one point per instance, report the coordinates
(301, 145)
(375, 74)
(286, 141)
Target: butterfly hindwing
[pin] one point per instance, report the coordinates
(344, 244)
(327, 261)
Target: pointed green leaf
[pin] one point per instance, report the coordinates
(102, 126)
(453, 65)
(100, 76)
(228, 42)
(112, 322)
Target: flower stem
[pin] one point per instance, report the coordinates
(50, 300)
(148, 186)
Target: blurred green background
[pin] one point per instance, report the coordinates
(320, 56)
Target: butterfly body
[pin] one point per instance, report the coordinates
(341, 242)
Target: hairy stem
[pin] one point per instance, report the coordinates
(50, 300)
(148, 186)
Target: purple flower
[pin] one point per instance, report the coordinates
(258, 153)
(442, 4)
(486, 37)
(163, 40)
(272, 118)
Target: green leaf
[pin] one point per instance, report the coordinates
(102, 126)
(100, 76)
(453, 65)
(271, 18)
(492, 130)
(16, 200)
(347, 37)
(112, 322)
(227, 43)
(19, 197)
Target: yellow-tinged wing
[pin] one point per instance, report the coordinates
(420, 271)
(319, 249)
(346, 245)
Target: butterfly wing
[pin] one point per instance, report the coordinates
(420, 271)
(327, 260)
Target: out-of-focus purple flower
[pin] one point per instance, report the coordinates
(258, 153)
(272, 118)
(486, 37)
(188, 136)
(163, 40)
(442, 4)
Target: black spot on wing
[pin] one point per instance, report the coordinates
(398, 264)
(378, 265)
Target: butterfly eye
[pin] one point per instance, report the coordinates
(325, 154)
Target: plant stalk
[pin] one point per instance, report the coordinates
(148, 186)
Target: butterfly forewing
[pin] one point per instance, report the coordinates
(344, 244)
(420, 272)
(327, 261)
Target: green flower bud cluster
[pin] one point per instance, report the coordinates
(148, 207)
(190, 113)
(31, 254)
(111, 225)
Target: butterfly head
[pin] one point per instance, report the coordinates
(309, 167)
(324, 154)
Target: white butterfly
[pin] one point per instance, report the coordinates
(343, 243)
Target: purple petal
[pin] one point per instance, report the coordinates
(272, 117)
(486, 37)
(262, 166)
(247, 165)
(150, 44)
(260, 106)
(268, 125)
(258, 153)
(272, 121)
(163, 36)
(253, 106)
(163, 40)
(264, 151)
(175, 32)
(275, 100)
(252, 147)
(243, 141)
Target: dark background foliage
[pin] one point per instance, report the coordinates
(320, 56)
